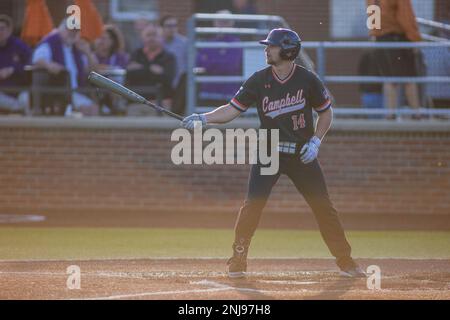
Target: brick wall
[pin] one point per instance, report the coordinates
(124, 164)
(310, 18)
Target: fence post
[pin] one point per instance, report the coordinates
(191, 82)
(321, 60)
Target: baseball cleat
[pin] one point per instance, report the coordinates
(355, 272)
(236, 267)
(349, 268)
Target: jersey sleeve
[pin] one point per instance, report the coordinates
(246, 95)
(319, 99)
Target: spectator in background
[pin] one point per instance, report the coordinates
(110, 49)
(398, 23)
(111, 56)
(152, 65)
(176, 44)
(134, 39)
(14, 55)
(220, 62)
(63, 50)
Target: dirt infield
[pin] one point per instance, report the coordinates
(206, 279)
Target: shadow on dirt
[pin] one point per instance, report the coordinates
(336, 288)
(249, 289)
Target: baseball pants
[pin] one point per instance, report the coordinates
(310, 182)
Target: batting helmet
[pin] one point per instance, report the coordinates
(288, 40)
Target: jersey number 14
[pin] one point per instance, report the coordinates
(299, 121)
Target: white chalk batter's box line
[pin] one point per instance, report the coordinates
(154, 275)
(164, 275)
(217, 287)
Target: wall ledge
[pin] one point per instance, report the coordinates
(168, 123)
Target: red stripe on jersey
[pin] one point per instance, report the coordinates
(324, 106)
(238, 104)
(285, 79)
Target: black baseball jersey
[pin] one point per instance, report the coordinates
(284, 104)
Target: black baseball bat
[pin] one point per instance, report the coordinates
(108, 84)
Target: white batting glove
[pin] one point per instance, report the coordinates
(310, 150)
(193, 120)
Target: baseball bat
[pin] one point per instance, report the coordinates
(110, 85)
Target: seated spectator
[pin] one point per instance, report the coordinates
(152, 65)
(110, 49)
(63, 50)
(220, 62)
(111, 56)
(14, 55)
(134, 38)
(176, 44)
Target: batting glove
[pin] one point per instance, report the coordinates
(310, 150)
(192, 121)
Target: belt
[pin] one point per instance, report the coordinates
(287, 147)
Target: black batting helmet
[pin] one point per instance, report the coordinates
(288, 40)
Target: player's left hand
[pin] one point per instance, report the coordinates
(310, 150)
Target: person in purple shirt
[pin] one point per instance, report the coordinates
(63, 50)
(110, 49)
(14, 55)
(220, 62)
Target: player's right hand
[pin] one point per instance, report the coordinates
(194, 119)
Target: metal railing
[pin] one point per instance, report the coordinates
(37, 90)
(433, 24)
(194, 32)
(321, 60)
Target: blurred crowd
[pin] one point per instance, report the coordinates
(62, 60)
(48, 76)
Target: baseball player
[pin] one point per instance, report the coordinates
(285, 96)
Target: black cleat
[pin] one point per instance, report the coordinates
(237, 267)
(237, 264)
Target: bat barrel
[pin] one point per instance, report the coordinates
(108, 84)
(102, 82)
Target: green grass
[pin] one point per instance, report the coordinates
(99, 243)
